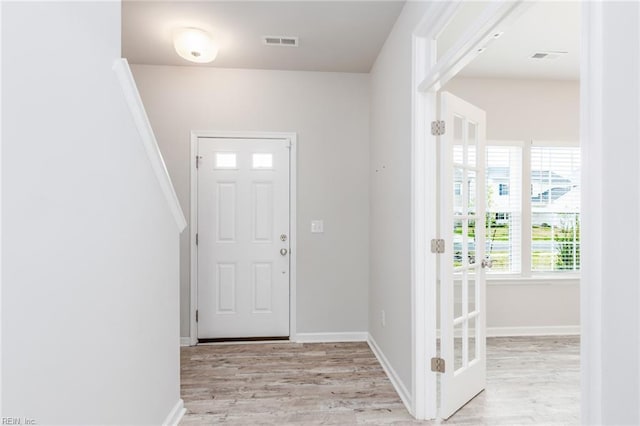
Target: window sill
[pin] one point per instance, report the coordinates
(547, 279)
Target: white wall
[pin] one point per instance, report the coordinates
(90, 251)
(519, 109)
(390, 177)
(610, 226)
(329, 112)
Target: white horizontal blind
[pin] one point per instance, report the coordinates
(504, 208)
(555, 209)
(546, 202)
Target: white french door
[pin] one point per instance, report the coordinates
(462, 278)
(243, 237)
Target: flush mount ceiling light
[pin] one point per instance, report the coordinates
(195, 45)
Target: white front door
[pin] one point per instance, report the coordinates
(243, 238)
(462, 279)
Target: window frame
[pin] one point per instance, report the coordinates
(526, 274)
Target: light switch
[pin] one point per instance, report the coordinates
(317, 226)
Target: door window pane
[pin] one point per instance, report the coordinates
(226, 160)
(473, 339)
(262, 161)
(471, 143)
(457, 191)
(458, 346)
(457, 140)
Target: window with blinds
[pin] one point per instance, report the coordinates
(555, 209)
(504, 207)
(538, 186)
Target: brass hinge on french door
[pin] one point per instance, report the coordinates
(437, 128)
(437, 365)
(198, 157)
(196, 238)
(437, 245)
(196, 315)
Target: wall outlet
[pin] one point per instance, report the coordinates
(383, 318)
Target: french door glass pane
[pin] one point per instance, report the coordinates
(472, 339)
(458, 156)
(471, 227)
(472, 129)
(457, 295)
(458, 347)
(471, 185)
(471, 293)
(457, 191)
(457, 243)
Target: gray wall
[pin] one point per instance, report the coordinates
(522, 110)
(390, 177)
(89, 248)
(330, 114)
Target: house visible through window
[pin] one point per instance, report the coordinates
(550, 208)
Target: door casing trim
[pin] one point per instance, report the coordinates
(193, 215)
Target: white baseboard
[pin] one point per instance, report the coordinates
(175, 415)
(402, 391)
(354, 336)
(185, 341)
(552, 330)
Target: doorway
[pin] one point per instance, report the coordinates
(243, 236)
(478, 26)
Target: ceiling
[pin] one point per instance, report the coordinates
(545, 26)
(338, 36)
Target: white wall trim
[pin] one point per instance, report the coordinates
(141, 120)
(423, 213)
(593, 212)
(479, 34)
(175, 415)
(1, 274)
(193, 248)
(185, 341)
(293, 240)
(421, 303)
(551, 330)
(349, 336)
(400, 388)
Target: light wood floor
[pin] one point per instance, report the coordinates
(530, 381)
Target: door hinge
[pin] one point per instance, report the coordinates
(196, 315)
(196, 238)
(437, 128)
(437, 365)
(437, 245)
(198, 161)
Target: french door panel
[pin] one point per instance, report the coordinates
(462, 226)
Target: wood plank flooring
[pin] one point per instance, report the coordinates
(530, 381)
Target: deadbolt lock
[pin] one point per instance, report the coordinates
(283, 237)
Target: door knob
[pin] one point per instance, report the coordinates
(283, 252)
(487, 263)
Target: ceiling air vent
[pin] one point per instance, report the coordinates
(549, 55)
(280, 41)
